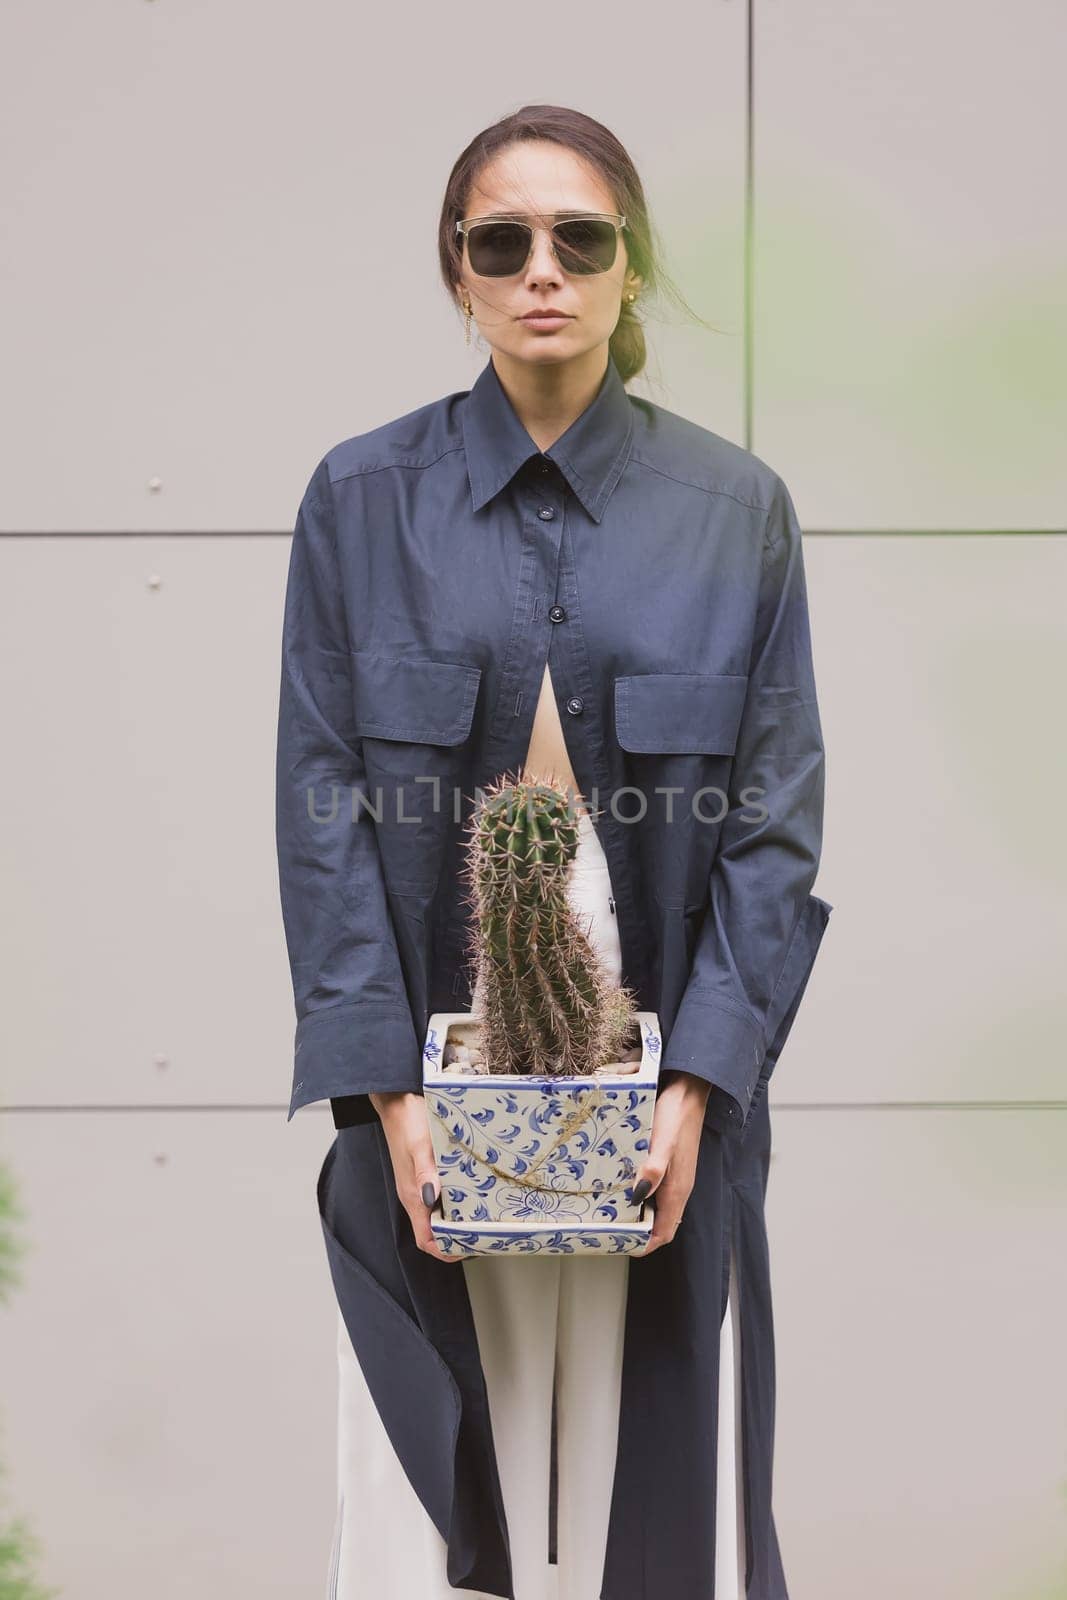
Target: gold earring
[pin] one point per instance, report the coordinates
(467, 320)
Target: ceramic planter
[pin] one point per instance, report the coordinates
(534, 1163)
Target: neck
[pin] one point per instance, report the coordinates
(547, 397)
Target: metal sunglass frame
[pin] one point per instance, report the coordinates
(519, 220)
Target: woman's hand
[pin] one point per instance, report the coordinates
(670, 1168)
(407, 1132)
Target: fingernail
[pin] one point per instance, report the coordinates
(428, 1193)
(641, 1190)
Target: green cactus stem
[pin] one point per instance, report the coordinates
(549, 1006)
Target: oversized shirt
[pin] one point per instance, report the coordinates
(439, 562)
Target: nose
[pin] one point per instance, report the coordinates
(542, 266)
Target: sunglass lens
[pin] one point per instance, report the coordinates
(586, 244)
(498, 249)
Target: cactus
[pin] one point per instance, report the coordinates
(549, 1006)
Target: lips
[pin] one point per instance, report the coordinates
(545, 316)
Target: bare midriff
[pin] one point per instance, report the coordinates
(547, 758)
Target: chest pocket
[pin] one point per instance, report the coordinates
(679, 713)
(417, 702)
(414, 720)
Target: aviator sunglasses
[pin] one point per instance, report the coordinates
(499, 247)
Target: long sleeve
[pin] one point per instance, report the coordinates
(354, 1028)
(763, 925)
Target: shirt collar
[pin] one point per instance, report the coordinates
(591, 454)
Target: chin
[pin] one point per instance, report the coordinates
(546, 350)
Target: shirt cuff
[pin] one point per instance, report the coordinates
(724, 1046)
(348, 1051)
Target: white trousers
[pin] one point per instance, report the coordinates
(539, 1319)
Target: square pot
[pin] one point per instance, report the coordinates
(536, 1163)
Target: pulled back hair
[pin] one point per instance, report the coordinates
(598, 146)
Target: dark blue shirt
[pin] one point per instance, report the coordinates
(438, 562)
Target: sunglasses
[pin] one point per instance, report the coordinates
(499, 247)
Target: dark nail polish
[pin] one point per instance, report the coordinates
(641, 1190)
(428, 1195)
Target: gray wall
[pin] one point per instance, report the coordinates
(194, 308)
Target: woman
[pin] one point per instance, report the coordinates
(546, 571)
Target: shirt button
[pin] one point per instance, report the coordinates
(546, 513)
(575, 705)
(556, 614)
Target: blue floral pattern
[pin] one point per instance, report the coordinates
(540, 1164)
(455, 1241)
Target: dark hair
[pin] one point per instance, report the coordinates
(595, 143)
